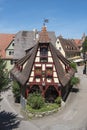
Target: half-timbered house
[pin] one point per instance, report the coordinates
(43, 69)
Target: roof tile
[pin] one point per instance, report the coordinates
(5, 40)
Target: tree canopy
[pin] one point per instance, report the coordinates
(3, 74)
(84, 45)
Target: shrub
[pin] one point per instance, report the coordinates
(73, 65)
(35, 100)
(47, 107)
(16, 91)
(74, 81)
(58, 100)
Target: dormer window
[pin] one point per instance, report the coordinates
(43, 53)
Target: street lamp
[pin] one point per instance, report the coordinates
(84, 57)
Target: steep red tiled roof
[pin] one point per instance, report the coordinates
(44, 38)
(78, 42)
(5, 40)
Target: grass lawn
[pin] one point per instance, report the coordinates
(45, 108)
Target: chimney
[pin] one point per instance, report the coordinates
(35, 34)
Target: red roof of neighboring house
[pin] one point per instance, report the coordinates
(78, 42)
(5, 40)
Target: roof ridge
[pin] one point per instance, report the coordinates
(43, 36)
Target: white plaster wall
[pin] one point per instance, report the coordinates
(31, 79)
(50, 59)
(56, 80)
(54, 74)
(38, 53)
(49, 53)
(32, 73)
(49, 65)
(37, 59)
(58, 45)
(43, 67)
(37, 79)
(8, 65)
(49, 80)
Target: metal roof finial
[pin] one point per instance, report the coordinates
(45, 21)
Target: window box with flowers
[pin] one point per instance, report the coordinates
(38, 71)
(49, 71)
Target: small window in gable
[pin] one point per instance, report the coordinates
(43, 53)
(9, 52)
(57, 42)
(13, 44)
(59, 48)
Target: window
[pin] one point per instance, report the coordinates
(13, 44)
(43, 59)
(59, 48)
(71, 48)
(44, 53)
(11, 52)
(11, 62)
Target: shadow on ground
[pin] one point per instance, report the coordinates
(8, 121)
(74, 90)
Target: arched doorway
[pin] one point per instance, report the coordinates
(51, 94)
(34, 89)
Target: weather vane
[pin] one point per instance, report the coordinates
(45, 21)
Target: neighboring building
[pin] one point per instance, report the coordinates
(27, 39)
(69, 49)
(79, 42)
(43, 69)
(7, 49)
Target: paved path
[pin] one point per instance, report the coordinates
(73, 115)
(10, 115)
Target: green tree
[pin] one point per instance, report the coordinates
(84, 45)
(73, 65)
(74, 80)
(16, 91)
(4, 80)
(58, 100)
